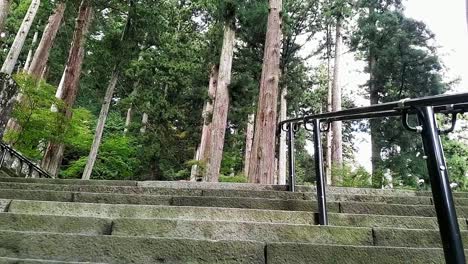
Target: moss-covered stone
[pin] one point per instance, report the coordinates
(114, 249)
(394, 209)
(68, 182)
(410, 222)
(211, 185)
(223, 230)
(153, 211)
(38, 195)
(112, 198)
(252, 203)
(285, 253)
(257, 194)
(4, 204)
(411, 200)
(410, 238)
(38, 261)
(55, 224)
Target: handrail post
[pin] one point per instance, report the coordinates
(292, 159)
(443, 199)
(319, 174)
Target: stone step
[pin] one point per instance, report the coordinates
(283, 253)
(216, 230)
(121, 249)
(115, 249)
(54, 192)
(408, 222)
(55, 224)
(39, 261)
(190, 229)
(160, 211)
(395, 209)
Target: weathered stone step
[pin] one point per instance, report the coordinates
(408, 222)
(39, 261)
(284, 253)
(55, 224)
(115, 249)
(118, 249)
(215, 230)
(202, 201)
(115, 194)
(395, 209)
(155, 211)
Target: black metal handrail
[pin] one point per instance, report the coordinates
(425, 109)
(23, 160)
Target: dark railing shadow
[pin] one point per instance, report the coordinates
(425, 109)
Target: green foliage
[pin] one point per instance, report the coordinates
(236, 179)
(38, 124)
(457, 162)
(116, 160)
(358, 177)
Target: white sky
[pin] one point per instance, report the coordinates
(447, 19)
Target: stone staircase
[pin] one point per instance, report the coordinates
(72, 221)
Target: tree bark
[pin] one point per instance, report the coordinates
(262, 159)
(4, 10)
(337, 133)
(7, 99)
(30, 53)
(144, 123)
(249, 134)
(282, 160)
(41, 55)
(204, 147)
(128, 119)
(221, 105)
(54, 153)
(18, 43)
(100, 126)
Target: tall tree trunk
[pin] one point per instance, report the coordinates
(262, 159)
(249, 134)
(18, 43)
(144, 123)
(128, 119)
(4, 10)
(100, 125)
(41, 55)
(30, 53)
(377, 174)
(337, 143)
(54, 153)
(282, 160)
(374, 129)
(221, 105)
(8, 90)
(204, 147)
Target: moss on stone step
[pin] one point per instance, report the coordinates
(38, 195)
(38, 261)
(410, 222)
(68, 182)
(285, 253)
(55, 224)
(4, 204)
(394, 209)
(114, 249)
(151, 211)
(411, 238)
(223, 230)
